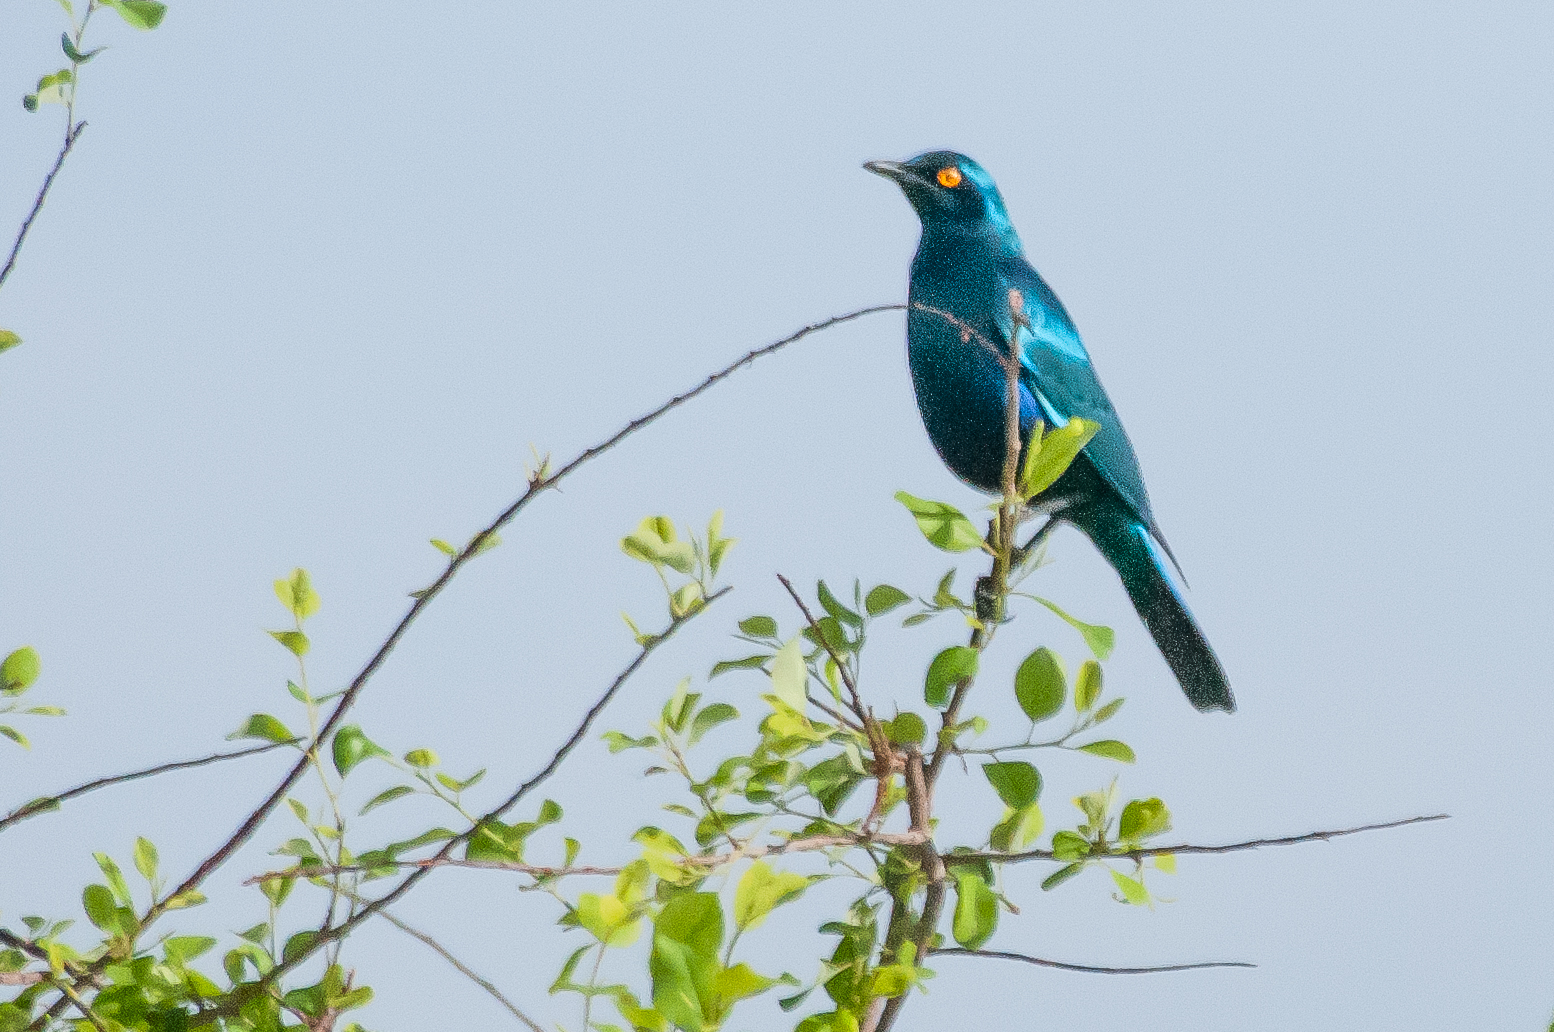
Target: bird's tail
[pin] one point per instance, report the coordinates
(1141, 561)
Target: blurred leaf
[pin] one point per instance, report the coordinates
(945, 526)
(1166, 862)
(7, 731)
(759, 626)
(1018, 829)
(295, 641)
(20, 670)
(709, 718)
(421, 758)
(654, 541)
(789, 675)
(976, 909)
(948, 668)
(906, 729)
(1111, 750)
(1132, 889)
(1106, 712)
(619, 742)
(1017, 783)
(1066, 845)
(883, 598)
(296, 594)
(145, 858)
(835, 608)
(351, 747)
(1058, 449)
(115, 878)
(748, 663)
(1060, 876)
(100, 908)
(763, 889)
(8, 340)
(262, 725)
(139, 14)
(1099, 639)
(1143, 818)
(388, 795)
(445, 548)
(1040, 685)
(1087, 685)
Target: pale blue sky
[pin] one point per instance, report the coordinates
(318, 275)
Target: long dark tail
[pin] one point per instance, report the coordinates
(1140, 560)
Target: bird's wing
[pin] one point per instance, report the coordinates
(1061, 378)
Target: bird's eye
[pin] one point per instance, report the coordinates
(949, 177)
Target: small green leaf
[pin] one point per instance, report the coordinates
(883, 598)
(1017, 783)
(763, 889)
(838, 611)
(976, 909)
(388, 795)
(906, 729)
(1068, 845)
(421, 758)
(262, 725)
(1106, 712)
(1165, 862)
(709, 718)
(145, 858)
(945, 526)
(8, 339)
(654, 541)
(351, 747)
(100, 908)
(1132, 889)
(295, 641)
(759, 626)
(7, 731)
(1143, 818)
(139, 14)
(1040, 685)
(69, 47)
(1060, 876)
(1087, 685)
(1111, 750)
(1058, 450)
(1099, 639)
(184, 900)
(444, 547)
(20, 670)
(789, 675)
(748, 663)
(1018, 829)
(948, 668)
(296, 594)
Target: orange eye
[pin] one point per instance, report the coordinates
(949, 177)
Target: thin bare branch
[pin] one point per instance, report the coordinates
(442, 951)
(46, 804)
(71, 136)
(1090, 969)
(1234, 847)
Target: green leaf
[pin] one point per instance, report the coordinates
(19, 670)
(100, 908)
(1111, 750)
(1040, 685)
(444, 547)
(945, 526)
(351, 747)
(1099, 639)
(1106, 712)
(183, 900)
(748, 663)
(948, 668)
(139, 14)
(763, 889)
(608, 919)
(115, 877)
(296, 594)
(1058, 449)
(295, 641)
(789, 675)
(1143, 818)
(145, 858)
(388, 795)
(835, 608)
(1087, 685)
(69, 47)
(1069, 845)
(976, 909)
(684, 959)
(1132, 889)
(709, 718)
(7, 731)
(655, 542)
(883, 598)
(422, 758)
(1060, 876)
(906, 729)
(1018, 829)
(264, 726)
(8, 339)
(1165, 862)
(759, 626)
(1017, 783)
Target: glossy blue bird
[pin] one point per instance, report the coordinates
(967, 262)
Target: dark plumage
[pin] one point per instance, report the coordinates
(967, 262)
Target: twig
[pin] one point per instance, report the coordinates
(45, 804)
(1139, 854)
(81, 1005)
(37, 205)
(1092, 969)
(442, 951)
(332, 933)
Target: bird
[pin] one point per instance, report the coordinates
(969, 260)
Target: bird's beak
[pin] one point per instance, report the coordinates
(890, 170)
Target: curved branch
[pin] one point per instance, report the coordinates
(1090, 969)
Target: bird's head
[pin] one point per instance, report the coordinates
(949, 190)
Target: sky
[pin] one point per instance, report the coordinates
(317, 277)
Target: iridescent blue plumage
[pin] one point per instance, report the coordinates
(968, 260)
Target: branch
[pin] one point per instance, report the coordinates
(465, 971)
(847, 678)
(1090, 968)
(71, 136)
(1234, 847)
(46, 804)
